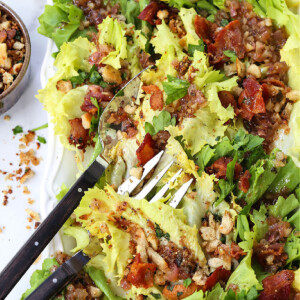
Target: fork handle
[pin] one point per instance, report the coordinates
(24, 258)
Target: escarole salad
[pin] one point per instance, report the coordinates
(222, 101)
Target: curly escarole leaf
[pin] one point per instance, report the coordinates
(61, 22)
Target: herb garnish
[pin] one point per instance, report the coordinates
(159, 233)
(175, 88)
(41, 139)
(17, 129)
(160, 122)
(231, 55)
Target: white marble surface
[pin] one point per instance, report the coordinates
(28, 113)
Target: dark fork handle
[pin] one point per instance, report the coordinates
(60, 278)
(24, 258)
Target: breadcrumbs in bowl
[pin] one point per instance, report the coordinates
(15, 52)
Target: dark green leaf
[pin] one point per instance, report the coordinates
(225, 189)
(156, 296)
(159, 233)
(283, 207)
(175, 88)
(192, 48)
(230, 170)
(242, 226)
(231, 55)
(41, 139)
(224, 22)
(203, 157)
(203, 4)
(17, 129)
(292, 248)
(211, 18)
(179, 294)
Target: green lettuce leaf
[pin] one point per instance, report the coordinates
(292, 248)
(199, 131)
(287, 178)
(64, 107)
(181, 3)
(188, 17)
(80, 235)
(244, 276)
(283, 207)
(211, 92)
(39, 276)
(196, 296)
(100, 280)
(61, 22)
(112, 33)
(164, 38)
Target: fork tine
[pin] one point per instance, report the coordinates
(180, 193)
(132, 182)
(164, 189)
(148, 188)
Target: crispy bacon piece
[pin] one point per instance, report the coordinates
(179, 291)
(219, 274)
(228, 38)
(78, 135)
(251, 99)
(227, 99)
(146, 150)
(278, 286)
(219, 168)
(235, 251)
(156, 99)
(141, 274)
(95, 91)
(118, 117)
(148, 14)
(244, 183)
(205, 29)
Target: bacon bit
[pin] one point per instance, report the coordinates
(78, 135)
(28, 173)
(219, 274)
(179, 291)
(278, 286)
(235, 251)
(251, 100)
(30, 201)
(229, 38)
(25, 190)
(7, 118)
(117, 117)
(95, 91)
(227, 99)
(205, 29)
(149, 13)
(141, 274)
(34, 215)
(29, 157)
(28, 227)
(156, 99)
(244, 183)
(146, 150)
(219, 168)
(27, 138)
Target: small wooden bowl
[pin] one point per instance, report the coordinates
(11, 96)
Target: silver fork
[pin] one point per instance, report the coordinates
(68, 271)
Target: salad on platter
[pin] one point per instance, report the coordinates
(222, 101)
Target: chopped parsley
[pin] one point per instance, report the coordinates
(95, 121)
(187, 282)
(41, 139)
(17, 129)
(175, 88)
(231, 55)
(192, 48)
(161, 121)
(224, 22)
(159, 233)
(179, 294)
